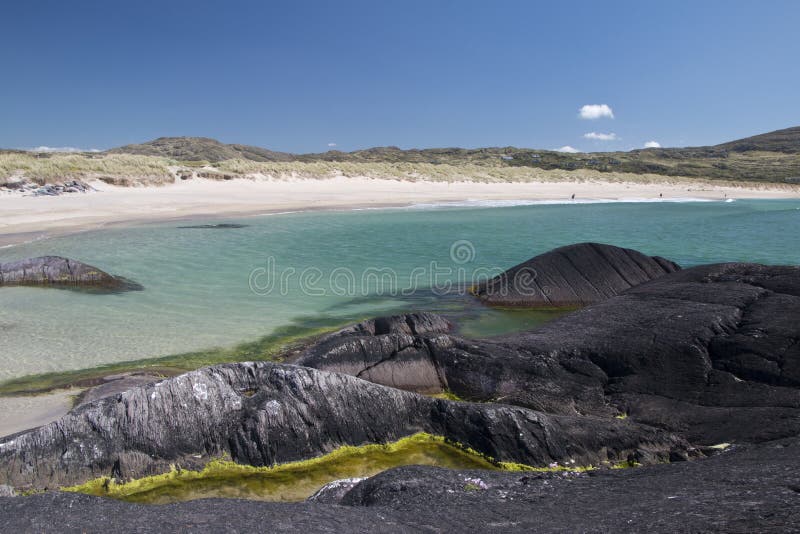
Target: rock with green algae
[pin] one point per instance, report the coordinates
(262, 414)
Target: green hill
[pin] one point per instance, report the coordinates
(200, 149)
(769, 157)
(787, 141)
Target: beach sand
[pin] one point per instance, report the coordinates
(25, 218)
(23, 413)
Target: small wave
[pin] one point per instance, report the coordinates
(39, 237)
(477, 203)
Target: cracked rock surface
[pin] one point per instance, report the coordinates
(710, 353)
(265, 413)
(748, 489)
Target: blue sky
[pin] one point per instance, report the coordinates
(300, 76)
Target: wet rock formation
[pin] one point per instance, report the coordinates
(264, 413)
(660, 367)
(711, 353)
(60, 272)
(749, 489)
(575, 275)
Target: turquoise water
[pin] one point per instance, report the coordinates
(198, 293)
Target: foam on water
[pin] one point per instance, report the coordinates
(482, 203)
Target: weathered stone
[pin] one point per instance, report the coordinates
(60, 272)
(575, 275)
(748, 489)
(263, 413)
(334, 492)
(710, 352)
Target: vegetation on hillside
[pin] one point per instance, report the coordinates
(766, 158)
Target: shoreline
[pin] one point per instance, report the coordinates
(27, 218)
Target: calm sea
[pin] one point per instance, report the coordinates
(215, 287)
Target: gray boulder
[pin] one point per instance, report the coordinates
(60, 272)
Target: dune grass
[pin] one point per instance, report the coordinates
(60, 167)
(132, 170)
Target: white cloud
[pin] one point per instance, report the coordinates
(652, 144)
(596, 111)
(331, 145)
(61, 149)
(601, 136)
(568, 149)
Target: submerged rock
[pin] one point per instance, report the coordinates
(220, 226)
(60, 272)
(575, 275)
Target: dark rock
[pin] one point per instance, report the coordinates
(711, 353)
(217, 226)
(64, 513)
(115, 384)
(60, 272)
(334, 492)
(575, 275)
(262, 414)
(749, 489)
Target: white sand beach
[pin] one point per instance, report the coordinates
(24, 218)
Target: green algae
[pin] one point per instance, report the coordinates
(292, 481)
(296, 481)
(447, 395)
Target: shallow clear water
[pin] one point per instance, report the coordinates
(197, 281)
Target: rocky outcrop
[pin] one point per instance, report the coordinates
(750, 489)
(263, 413)
(711, 353)
(660, 371)
(60, 272)
(387, 350)
(29, 188)
(575, 275)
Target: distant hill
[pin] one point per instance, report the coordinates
(769, 157)
(200, 149)
(787, 141)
